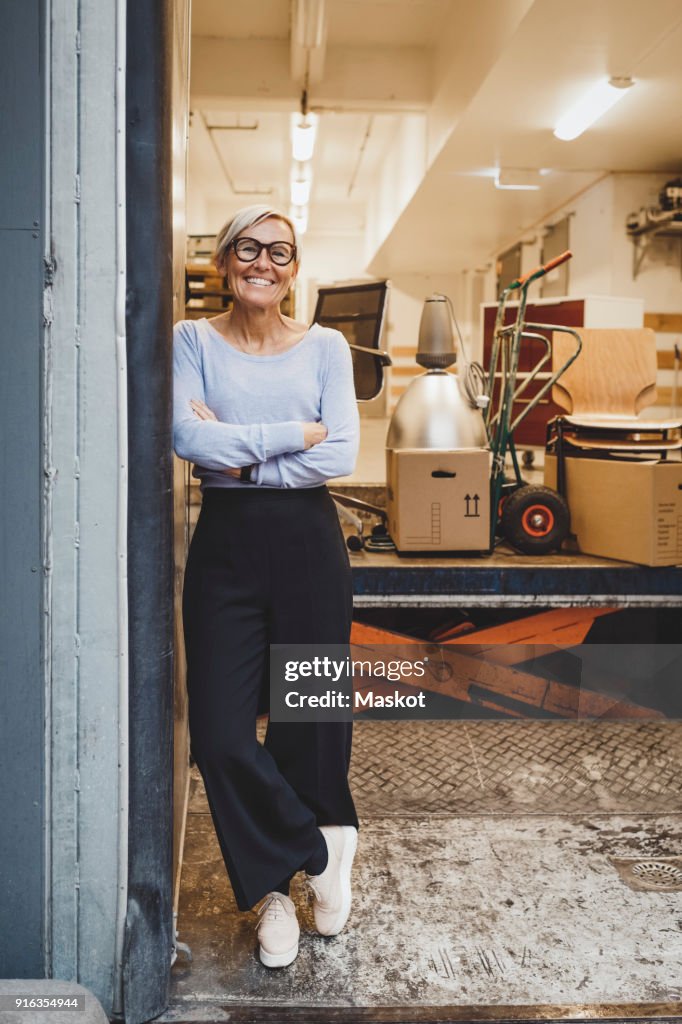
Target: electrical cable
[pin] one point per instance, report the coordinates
(474, 379)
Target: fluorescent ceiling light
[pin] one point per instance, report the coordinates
(520, 180)
(309, 23)
(591, 106)
(303, 131)
(300, 191)
(300, 219)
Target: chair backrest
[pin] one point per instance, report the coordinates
(615, 373)
(357, 311)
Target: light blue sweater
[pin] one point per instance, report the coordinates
(261, 403)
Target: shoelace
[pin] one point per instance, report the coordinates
(272, 909)
(312, 891)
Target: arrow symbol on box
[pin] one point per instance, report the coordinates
(469, 499)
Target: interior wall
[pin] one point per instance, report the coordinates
(327, 260)
(602, 261)
(406, 302)
(603, 255)
(659, 281)
(399, 176)
(204, 215)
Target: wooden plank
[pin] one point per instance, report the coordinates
(280, 1013)
(665, 357)
(664, 396)
(474, 679)
(664, 323)
(406, 371)
(564, 627)
(533, 636)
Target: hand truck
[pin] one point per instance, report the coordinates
(534, 519)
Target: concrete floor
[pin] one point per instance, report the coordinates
(484, 880)
(370, 467)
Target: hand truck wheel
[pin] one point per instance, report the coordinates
(535, 519)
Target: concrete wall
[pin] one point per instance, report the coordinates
(659, 280)
(85, 471)
(602, 261)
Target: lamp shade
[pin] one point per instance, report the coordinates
(434, 413)
(436, 348)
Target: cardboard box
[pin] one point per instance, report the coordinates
(629, 510)
(438, 500)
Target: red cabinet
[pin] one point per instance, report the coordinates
(591, 311)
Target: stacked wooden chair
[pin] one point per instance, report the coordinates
(604, 391)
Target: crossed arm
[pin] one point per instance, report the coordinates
(286, 454)
(313, 433)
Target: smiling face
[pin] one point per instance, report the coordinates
(261, 284)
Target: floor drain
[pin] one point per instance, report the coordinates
(658, 873)
(663, 874)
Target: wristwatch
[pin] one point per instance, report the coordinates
(245, 475)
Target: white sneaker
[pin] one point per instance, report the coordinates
(278, 930)
(331, 889)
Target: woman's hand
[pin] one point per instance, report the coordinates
(313, 433)
(201, 410)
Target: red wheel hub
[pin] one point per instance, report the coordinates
(538, 520)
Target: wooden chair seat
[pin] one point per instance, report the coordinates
(606, 388)
(596, 422)
(609, 444)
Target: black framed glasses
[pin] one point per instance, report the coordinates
(249, 249)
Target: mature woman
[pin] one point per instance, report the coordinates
(265, 408)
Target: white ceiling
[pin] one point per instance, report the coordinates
(350, 22)
(251, 163)
(491, 79)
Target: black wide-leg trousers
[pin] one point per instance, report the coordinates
(265, 566)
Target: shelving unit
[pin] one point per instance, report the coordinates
(206, 292)
(643, 241)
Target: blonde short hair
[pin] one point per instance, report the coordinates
(245, 218)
